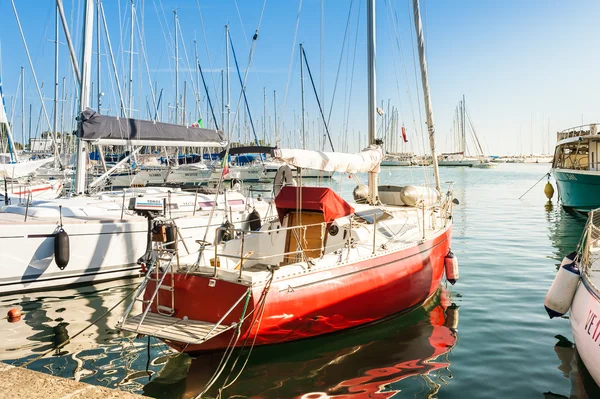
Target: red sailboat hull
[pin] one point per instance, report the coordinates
(313, 303)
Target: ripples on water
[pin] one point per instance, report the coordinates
(505, 345)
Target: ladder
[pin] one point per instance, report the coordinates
(163, 324)
(160, 267)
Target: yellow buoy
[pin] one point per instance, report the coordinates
(549, 190)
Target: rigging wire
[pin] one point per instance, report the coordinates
(208, 96)
(352, 73)
(252, 48)
(189, 68)
(287, 85)
(400, 50)
(412, 40)
(143, 48)
(340, 62)
(317, 96)
(217, 97)
(243, 91)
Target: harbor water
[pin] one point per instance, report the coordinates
(486, 337)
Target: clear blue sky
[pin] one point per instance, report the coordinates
(525, 67)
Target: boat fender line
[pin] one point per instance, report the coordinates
(253, 220)
(61, 245)
(562, 291)
(283, 177)
(451, 267)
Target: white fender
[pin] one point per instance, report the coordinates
(419, 196)
(560, 295)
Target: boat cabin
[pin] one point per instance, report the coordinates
(578, 149)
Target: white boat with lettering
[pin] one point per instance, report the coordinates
(577, 287)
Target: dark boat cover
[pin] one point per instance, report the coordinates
(313, 199)
(248, 150)
(94, 126)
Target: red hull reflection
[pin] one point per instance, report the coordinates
(362, 363)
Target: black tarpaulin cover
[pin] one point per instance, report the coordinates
(94, 126)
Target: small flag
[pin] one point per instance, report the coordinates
(200, 123)
(225, 167)
(404, 134)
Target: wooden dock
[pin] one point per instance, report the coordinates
(20, 383)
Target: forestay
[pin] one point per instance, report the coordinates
(111, 130)
(368, 160)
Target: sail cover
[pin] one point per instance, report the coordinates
(367, 160)
(121, 131)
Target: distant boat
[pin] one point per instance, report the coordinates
(460, 157)
(399, 159)
(576, 167)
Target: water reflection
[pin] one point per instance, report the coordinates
(565, 229)
(367, 362)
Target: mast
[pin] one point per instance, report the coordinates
(228, 88)
(222, 101)
(373, 177)
(197, 94)
(30, 112)
(23, 108)
(61, 11)
(55, 120)
(302, 97)
(264, 115)
(62, 112)
(322, 72)
(184, 96)
(176, 70)
(275, 118)
(464, 127)
(130, 102)
(84, 97)
(426, 94)
(98, 56)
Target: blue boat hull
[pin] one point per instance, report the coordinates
(580, 191)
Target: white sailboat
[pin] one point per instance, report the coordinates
(460, 157)
(105, 240)
(10, 165)
(312, 270)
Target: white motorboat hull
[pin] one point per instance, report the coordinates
(585, 325)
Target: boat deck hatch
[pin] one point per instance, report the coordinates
(172, 328)
(372, 215)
